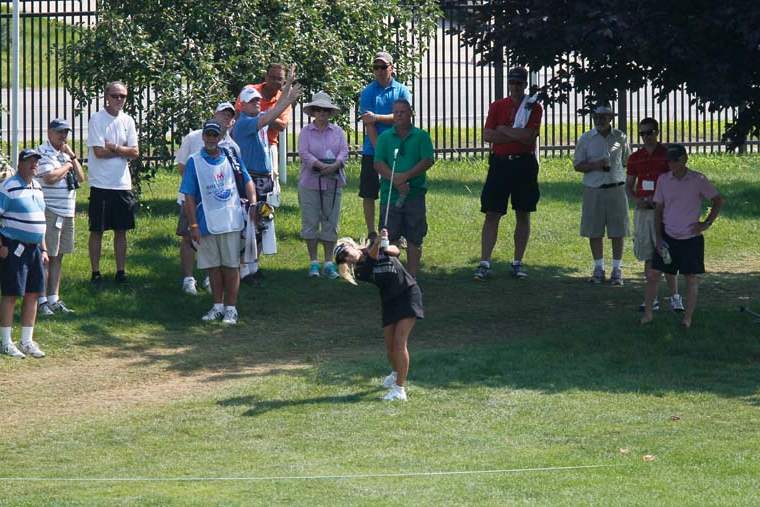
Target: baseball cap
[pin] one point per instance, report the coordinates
(517, 74)
(603, 109)
(383, 56)
(59, 124)
(249, 93)
(212, 126)
(676, 151)
(27, 154)
(224, 106)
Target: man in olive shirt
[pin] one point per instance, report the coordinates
(411, 149)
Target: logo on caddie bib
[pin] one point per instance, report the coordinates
(218, 188)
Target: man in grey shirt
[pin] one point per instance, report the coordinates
(601, 155)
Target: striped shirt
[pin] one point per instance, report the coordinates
(58, 198)
(22, 210)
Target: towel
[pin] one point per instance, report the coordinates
(249, 233)
(523, 112)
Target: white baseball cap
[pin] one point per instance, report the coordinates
(249, 93)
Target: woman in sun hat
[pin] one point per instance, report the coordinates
(401, 298)
(323, 149)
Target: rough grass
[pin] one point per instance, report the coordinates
(546, 372)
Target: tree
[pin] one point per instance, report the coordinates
(191, 54)
(708, 48)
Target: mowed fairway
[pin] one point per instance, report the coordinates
(540, 391)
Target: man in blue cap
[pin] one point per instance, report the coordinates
(215, 214)
(59, 173)
(23, 253)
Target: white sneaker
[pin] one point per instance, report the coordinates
(188, 286)
(230, 316)
(44, 309)
(390, 380)
(213, 314)
(207, 283)
(31, 349)
(396, 393)
(59, 307)
(676, 303)
(11, 350)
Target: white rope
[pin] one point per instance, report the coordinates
(303, 477)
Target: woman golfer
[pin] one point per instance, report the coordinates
(400, 295)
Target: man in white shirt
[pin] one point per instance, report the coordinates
(59, 174)
(112, 142)
(601, 154)
(191, 144)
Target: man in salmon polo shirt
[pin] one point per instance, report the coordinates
(680, 246)
(511, 127)
(645, 165)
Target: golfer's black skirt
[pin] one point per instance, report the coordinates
(406, 305)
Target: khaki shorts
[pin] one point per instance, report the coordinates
(604, 209)
(316, 223)
(644, 237)
(219, 250)
(59, 234)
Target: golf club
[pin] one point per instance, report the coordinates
(390, 188)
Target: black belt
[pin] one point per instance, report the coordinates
(612, 185)
(513, 157)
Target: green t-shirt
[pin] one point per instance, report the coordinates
(416, 146)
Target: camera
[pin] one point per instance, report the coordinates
(72, 183)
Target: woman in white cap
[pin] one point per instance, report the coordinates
(323, 149)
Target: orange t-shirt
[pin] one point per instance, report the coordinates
(502, 112)
(273, 134)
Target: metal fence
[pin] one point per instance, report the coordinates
(451, 92)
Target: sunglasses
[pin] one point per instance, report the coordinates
(643, 133)
(380, 67)
(117, 96)
(317, 109)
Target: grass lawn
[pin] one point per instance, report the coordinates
(515, 386)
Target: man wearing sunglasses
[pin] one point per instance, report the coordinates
(644, 167)
(601, 154)
(376, 110)
(112, 143)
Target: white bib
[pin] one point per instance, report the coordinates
(219, 195)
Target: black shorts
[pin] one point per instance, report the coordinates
(406, 305)
(516, 179)
(111, 209)
(264, 184)
(409, 220)
(687, 256)
(22, 274)
(369, 180)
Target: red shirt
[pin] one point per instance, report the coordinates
(647, 167)
(502, 112)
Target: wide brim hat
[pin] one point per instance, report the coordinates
(323, 100)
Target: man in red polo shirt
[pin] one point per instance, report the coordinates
(644, 167)
(511, 128)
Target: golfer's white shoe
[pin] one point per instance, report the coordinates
(390, 380)
(188, 286)
(396, 393)
(11, 350)
(31, 349)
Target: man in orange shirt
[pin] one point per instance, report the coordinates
(270, 91)
(511, 128)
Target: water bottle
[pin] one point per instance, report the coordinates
(665, 253)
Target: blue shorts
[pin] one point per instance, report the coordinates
(22, 274)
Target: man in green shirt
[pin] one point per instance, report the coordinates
(412, 151)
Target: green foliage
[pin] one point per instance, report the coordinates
(191, 54)
(607, 46)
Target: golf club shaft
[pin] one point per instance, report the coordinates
(390, 188)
